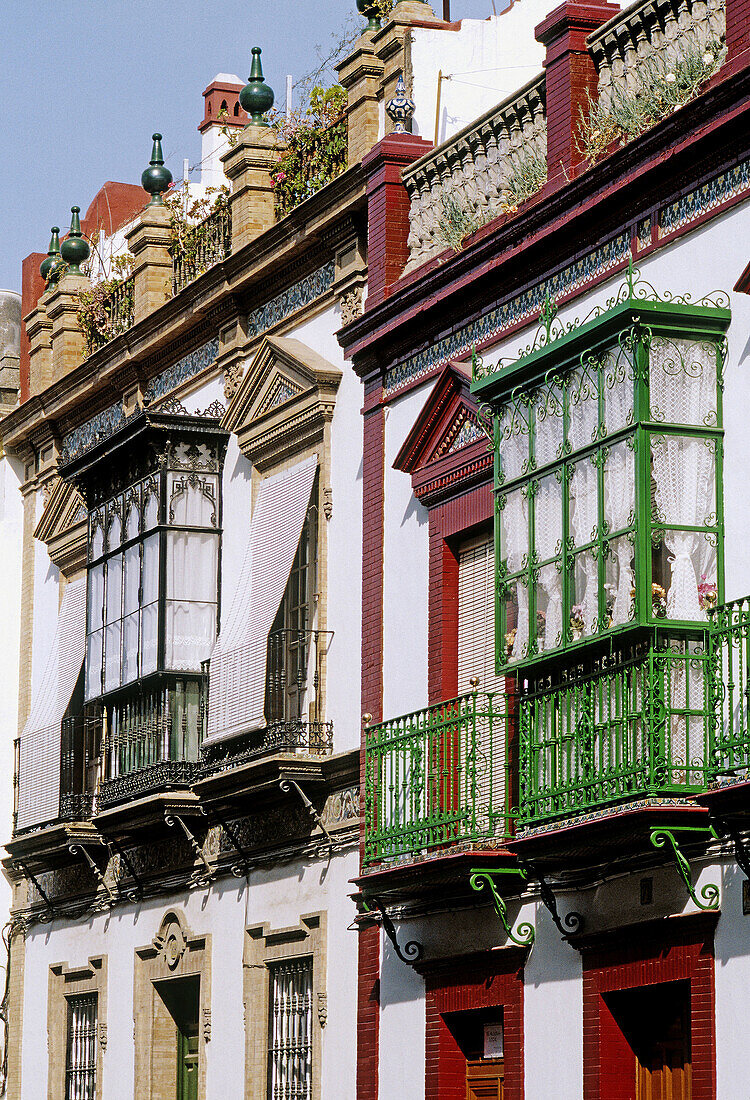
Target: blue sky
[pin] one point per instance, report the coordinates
(84, 83)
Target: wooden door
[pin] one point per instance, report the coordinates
(663, 1062)
(484, 1079)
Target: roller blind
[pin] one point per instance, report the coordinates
(238, 662)
(476, 616)
(39, 778)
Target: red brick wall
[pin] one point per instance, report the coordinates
(32, 288)
(738, 28)
(368, 1012)
(664, 951)
(388, 211)
(492, 980)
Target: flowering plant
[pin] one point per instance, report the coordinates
(315, 148)
(707, 593)
(576, 621)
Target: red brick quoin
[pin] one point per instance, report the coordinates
(660, 951)
(492, 979)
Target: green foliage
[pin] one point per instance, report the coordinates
(315, 148)
(527, 174)
(106, 310)
(456, 222)
(660, 88)
(186, 216)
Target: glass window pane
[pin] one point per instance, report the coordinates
(192, 500)
(132, 582)
(619, 581)
(584, 501)
(547, 407)
(619, 486)
(548, 517)
(130, 648)
(150, 569)
(514, 441)
(515, 602)
(618, 389)
(114, 588)
(515, 531)
(97, 535)
(151, 504)
(192, 561)
(190, 634)
(685, 584)
(584, 610)
(95, 597)
(549, 607)
(682, 380)
(114, 524)
(149, 638)
(112, 656)
(684, 471)
(94, 644)
(133, 513)
(583, 407)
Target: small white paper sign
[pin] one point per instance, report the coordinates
(493, 1040)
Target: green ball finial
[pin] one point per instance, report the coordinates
(371, 13)
(256, 97)
(156, 178)
(74, 249)
(53, 254)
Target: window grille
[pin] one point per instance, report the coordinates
(290, 1031)
(80, 1068)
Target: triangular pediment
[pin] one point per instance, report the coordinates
(282, 371)
(287, 394)
(62, 526)
(448, 423)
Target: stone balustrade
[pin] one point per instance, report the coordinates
(656, 32)
(477, 171)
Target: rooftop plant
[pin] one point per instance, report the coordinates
(315, 148)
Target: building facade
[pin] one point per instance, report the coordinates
(554, 876)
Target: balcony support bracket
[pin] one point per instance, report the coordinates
(112, 897)
(50, 912)
(112, 845)
(412, 951)
(197, 879)
(485, 876)
(239, 870)
(741, 849)
(569, 925)
(661, 838)
(286, 785)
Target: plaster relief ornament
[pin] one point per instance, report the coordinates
(400, 109)
(171, 941)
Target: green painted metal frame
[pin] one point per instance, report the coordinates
(661, 838)
(485, 876)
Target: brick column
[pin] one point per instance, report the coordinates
(249, 166)
(32, 288)
(38, 369)
(570, 79)
(388, 211)
(68, 345)
(738, 29)
(361, 74)
(150, 241)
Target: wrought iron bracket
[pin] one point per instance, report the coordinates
(741, 850)
(135, 894)
(96, 871)
(239, 870)
(197, 879)
(412, 950)
(660, 838)
(485, 876)
(50, 913)
(286, 785)
(569, 925)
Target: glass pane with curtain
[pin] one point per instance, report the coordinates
(114, 524)
(113, 603)
(619, 581)
(584, 602)
(290, 1030)
(133, 512)
(682, 381)
(547, 407)
(583, 497)
(617, 381)
(112, 655)
(583, 407)
(515, 617)
(548, 530)
(82, 1038)
(515, 441)
(95, 603)
(130, 632)
(94, 655)
(515, 530)
(193, 500)
(150, 503)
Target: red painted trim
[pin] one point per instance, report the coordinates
(368, 1012)
(492, 980)
(647, 955)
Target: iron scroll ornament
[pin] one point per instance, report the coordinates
(709, 894)
(481, 877)
(412, 950)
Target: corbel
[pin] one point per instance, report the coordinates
(485, 876)
(412, 951)
(660, 838)
(74, 849)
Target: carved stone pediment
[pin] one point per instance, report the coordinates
(62, 527)
(448, 444)
(286, 397)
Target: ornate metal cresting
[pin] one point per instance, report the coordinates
(485, 876)
(111, 898)
(412, 951)
(475, 168)
(661, 838)
(198, 879)
(661, 32)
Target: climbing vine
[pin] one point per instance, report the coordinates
(314, 148)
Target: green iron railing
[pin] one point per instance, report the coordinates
(437, 777)
(729, 687)
(627, 725)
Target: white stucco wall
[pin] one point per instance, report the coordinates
(46, 607)
(405, 570)
(278, 897)
(11, 528)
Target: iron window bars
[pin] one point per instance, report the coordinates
(290, 1030)
(80, 1063)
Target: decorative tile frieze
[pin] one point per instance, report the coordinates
(181, 371)
(293, 298)
(341, 806)
(93, 431)
(643, 234)
(705, 198)
(504, 316)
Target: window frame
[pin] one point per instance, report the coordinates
(553, 363)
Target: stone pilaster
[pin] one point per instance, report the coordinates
(39, 335)
(249, 166)
(361, 74)
(149, 241)
(68, 345)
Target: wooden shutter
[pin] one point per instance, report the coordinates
(476, 616)
(39, 776)
(238, 662)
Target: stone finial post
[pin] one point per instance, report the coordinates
(361, 74)
(62, 305)
(570, 78)
(39, 336)
(150, 240)
(249, 164)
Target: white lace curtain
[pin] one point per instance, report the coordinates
(582, 431)
(515, 525)
(548, 528)
(683, 391)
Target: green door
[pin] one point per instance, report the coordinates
(187, 1065)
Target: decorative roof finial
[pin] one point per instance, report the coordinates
(371, 11)
(53, 254)
(74, 249)
(400, 109)
(156, 178)
(256, 97)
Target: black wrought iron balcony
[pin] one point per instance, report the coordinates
(153, 740)
(81, 739)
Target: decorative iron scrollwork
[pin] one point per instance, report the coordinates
(484, 876)
(412, 951)
(660, 838)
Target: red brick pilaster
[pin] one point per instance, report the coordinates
(368, 1012)
(32, 288)
(570, 78)
(388, 211)
(738, 29)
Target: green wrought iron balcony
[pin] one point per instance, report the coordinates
(437, 777)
